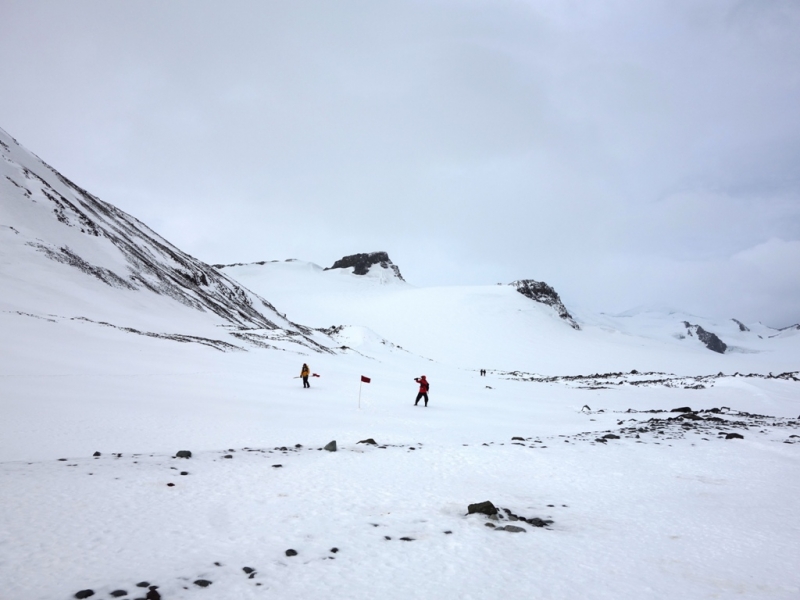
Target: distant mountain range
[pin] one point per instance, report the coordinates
(69, 256)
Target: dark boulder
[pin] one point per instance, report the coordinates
(734, 436)
(484, 508)
(331, 446)
(291, 552)
(203, 582)
(369, 441)
(682, 409)
(84, 594)
(183, 454)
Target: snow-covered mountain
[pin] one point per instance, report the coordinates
(66, 254)
(520, 326)
(623, 456)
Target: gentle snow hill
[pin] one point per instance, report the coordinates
(65, 254)
(496, 327)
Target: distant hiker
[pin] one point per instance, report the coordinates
(304, 373)
(483, 372)
(424, 386)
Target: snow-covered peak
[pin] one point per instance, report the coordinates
(68, 253)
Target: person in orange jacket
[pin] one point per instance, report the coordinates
(304, 373)
(424, 386)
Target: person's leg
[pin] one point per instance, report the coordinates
(418, 397)
(426, 399)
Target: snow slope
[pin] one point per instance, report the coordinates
(497, 328)
(642, 504)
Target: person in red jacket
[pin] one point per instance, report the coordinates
(423, 389)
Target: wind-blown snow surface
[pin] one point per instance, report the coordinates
(668, 508)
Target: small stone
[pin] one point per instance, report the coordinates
(183, 454)
(489, 525)
(369, 441)
(611, 436)
(682, 409)
(513, 529)
(277, 466)
(119, 593)
(291, 552)
(96, 454)
(517, 439)
(228, 456)
(407, 539)
(448, 532)
(734, 436)
(334, 550)
(170, 485)
(84, 593)
(143, 584)
(203, 583)
(248, 570)
(184, 472)
(331, 446)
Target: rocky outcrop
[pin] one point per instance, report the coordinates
(361, 263)
(742, 326)
(710, 340)
(539, 291)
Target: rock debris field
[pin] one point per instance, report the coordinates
(244, 521)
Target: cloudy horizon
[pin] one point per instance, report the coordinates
(627, 153)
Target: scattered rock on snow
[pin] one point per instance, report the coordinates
(682, 409)
(119, 593)
(331, 446)
(369, 441)
(485, 508)
(84, 594)
(291, 552)
(734, 436)
(512, 529)
(203, 582)
(183, 454)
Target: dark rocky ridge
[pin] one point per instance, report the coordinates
(361, 263)
(539, 291)
(742, 326)
(151, 263)
(710, 340)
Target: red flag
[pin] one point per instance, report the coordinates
(365, 379)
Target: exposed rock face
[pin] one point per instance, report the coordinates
(742, 326)
(711, 341)
(361, 263)
(539, 291)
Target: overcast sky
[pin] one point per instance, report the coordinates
(626, 152)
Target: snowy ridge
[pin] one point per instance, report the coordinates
(60, 236)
